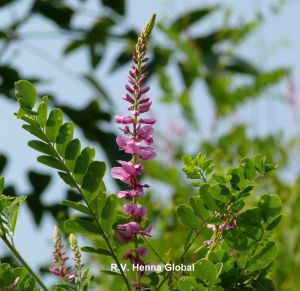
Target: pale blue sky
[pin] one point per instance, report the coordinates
(275, 44)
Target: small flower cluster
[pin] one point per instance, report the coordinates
(226, 224)
(138, 142)
(60, 258)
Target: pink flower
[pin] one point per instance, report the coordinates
(121, 142)
(128, 255)
(136, 210)
(147, 153)
(141, 251)
(147, 231)
(136, 285)
(145, 133)
(132, 146)
(123, 119)
(130, 194)
(63, 272)
(208, 243)
(127, 173)
(147, 120)
(126, 231)
(211, 226)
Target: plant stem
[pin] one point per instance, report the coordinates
(22, 261)
(157, 254)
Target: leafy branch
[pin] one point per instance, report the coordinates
(77, 169)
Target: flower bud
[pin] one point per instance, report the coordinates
(75, 250)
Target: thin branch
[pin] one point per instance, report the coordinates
(23, 262)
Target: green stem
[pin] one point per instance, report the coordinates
(22, 261)
(154, 251)
(157, 254)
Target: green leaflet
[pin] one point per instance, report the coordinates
(82, 163)
(206, 271)
(71, 153)
(109, 213)
(207, 198)
(53, 124)
(264, 258)
(9, 209)
(42, 147)
(96, 251)
(35, 131)
(187, 283)
(25, 93)
(64, 137)
(77, 206)
(82, 226)
(51, 162)
(42, 112)
(250, 222)
(67, 179)
(249, 169)
(93, 178)
(187, 216)
(271, 206)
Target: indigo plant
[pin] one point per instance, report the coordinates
(223, 227)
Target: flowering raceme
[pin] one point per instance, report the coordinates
(60, 258)
(138, 142)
